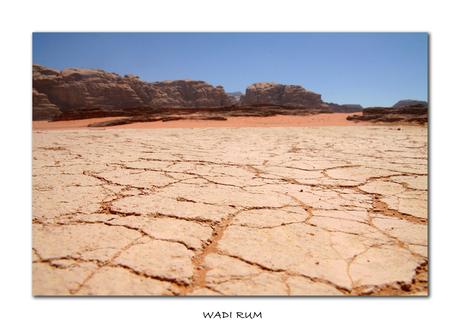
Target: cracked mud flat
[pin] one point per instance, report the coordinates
(231, 211)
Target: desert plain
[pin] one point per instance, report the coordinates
(276, 206)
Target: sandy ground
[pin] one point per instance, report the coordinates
(312, 210)
(336, 119)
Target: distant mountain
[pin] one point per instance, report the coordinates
(235, 97)
(235, 94)
(407, 102)
(353, 105)
(351, 108)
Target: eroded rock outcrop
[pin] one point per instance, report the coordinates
(59, 91)
(417, 113)
(275, 93)
(292, 95)
(56, 92)
(43, 109)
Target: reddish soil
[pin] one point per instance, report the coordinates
(336, 119)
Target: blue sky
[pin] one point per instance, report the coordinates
(371, 69)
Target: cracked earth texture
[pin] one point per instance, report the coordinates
(231, 211)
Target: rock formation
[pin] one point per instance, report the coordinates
(59, 91)
(56, 92)
(292, 95)
(42, 108)
(417, 113)
(407, 102)
(274, 93)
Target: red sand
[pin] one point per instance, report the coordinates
(336, 119)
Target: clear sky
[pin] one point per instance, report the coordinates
(370, 69)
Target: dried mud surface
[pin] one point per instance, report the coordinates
(231, 211)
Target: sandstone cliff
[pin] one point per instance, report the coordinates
(55, 92)
(42, 108)
(292, 95)
(59, 91)
(274, 93)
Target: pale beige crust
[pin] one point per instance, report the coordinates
(293, 210)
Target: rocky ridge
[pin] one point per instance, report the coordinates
(407, 102)
(292, 95)
(275, 93)
(56, 92)
(417, 113)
